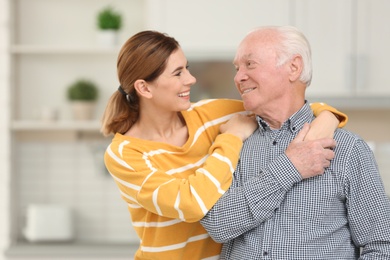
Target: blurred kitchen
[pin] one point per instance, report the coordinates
(56, 198)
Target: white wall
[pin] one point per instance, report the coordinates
(4, 127)
(72, 174)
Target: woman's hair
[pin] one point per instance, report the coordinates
(143, 56)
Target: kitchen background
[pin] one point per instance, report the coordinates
(52, 164)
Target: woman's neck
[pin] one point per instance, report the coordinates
(169, 129)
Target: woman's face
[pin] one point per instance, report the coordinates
(171, 90)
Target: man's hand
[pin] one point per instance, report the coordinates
(310, 158)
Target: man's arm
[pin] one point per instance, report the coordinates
(367, 204)
(244, 207)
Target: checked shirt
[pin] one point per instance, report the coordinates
(271, 213)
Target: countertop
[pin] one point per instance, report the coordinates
(75, 250)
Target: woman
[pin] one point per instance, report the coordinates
(171, 159)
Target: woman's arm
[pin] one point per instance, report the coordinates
(323, 126)
(182, 185)
(326, 122)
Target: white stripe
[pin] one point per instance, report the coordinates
(117, 159)
(224, 159)
(145, 156)
(188, 166)
(121, 147)
(212, 179)
(216, 257)
(155, 196)
(214, 122)
(157, 224)
(199, 200)
(173, 247)
(200, 103)
(128, 197)
(159, 151)
(134, 206)
(127, 184)
(176, 206)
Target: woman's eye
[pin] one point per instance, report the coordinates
(180, 72)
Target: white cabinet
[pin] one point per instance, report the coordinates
(212, 29)
(350, 40)
(372, 47)
(328, 27)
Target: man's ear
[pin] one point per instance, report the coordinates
(296, 67)
(142, 88)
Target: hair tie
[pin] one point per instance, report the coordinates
(128, 97)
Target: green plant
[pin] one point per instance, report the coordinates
(109, 19)
(83, 90)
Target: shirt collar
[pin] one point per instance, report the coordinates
(294, 122)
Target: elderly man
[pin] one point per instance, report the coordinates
(341, 214)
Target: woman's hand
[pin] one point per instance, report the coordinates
(240, 125)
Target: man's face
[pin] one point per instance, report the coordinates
(261, 84)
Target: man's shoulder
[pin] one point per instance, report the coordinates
(347, 135)
(347, 139)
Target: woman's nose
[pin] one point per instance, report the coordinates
(191, 79)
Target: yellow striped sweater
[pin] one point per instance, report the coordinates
(168, 189)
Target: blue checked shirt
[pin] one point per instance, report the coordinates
(271, 213)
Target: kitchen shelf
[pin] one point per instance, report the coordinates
(35, 125)
(47, 49)
(75, 250)
(354, 102)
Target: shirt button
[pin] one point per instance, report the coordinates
(274, 142)
(265, 253)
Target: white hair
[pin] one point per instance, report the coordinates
(293, 42)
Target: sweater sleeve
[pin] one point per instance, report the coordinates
(186, 194)
(319, 107)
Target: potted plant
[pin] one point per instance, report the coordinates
(109, 23)
(83, 95)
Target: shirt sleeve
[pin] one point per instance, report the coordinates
(319, 107)
(244, 206)
(367, 204)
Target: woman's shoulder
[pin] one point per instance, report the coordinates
(212, 109)
(221, 104)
